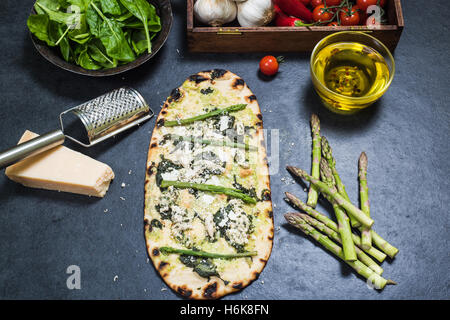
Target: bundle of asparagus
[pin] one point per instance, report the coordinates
(339, 238)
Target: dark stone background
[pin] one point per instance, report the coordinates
(406, 136)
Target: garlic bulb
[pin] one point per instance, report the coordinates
(255, 13)
(215, 12)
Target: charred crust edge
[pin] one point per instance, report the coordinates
(217, 73)
(162, 264)
(150, 168)
(210, 291)
(238, 82)
(250, 98)
(155, 252)
(175, 95)
(197, 78)
(238, 285)
(184, 292)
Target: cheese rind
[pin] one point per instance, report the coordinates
(61, 169)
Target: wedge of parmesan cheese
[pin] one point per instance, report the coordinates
(61, 169)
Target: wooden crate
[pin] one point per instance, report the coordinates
(282, 39)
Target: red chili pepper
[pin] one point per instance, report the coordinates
(295, 8)
(282, 20)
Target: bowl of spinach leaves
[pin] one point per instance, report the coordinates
(99, 37)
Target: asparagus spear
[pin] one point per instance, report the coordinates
(182, 122)
(364, 258)
(374, 252)
(204, 254)
(327, 153)
(219, 143)
(235, 193)
(385, 246)
(313, 194)
(341, 216)
(323, 188)
(366, 236)
(378, 281)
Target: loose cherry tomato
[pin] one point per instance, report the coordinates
(349, 17)
(269, 65)
(364, 4)
(315, 3)
(321, 14)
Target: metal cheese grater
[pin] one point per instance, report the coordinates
(102, 118)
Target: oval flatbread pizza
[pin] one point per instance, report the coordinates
(208, 212)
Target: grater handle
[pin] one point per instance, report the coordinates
(31, 148)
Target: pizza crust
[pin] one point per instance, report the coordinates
(177, 276)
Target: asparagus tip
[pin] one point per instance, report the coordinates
(315, 123)
(363, 160)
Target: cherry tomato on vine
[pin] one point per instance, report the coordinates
(320, 13)
(315, 3)
(362, 14)
(305, 2)
(349, 17)
(333, 24)
(364, 4)
(269, 65)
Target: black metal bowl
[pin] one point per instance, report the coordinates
(164, 10)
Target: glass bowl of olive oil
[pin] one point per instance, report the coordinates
(351, 70)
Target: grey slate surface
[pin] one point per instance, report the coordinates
(406, 136)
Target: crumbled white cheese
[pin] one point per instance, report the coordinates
(214, 181)
(181, 221)
(210, 226)
(207, 199)
(236, 223)
(224, 123)
(171, 175)
(241, 160)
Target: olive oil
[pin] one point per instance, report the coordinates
(349, 69)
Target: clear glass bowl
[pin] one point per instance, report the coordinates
(344, 104)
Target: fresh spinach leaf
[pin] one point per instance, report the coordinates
(85, 61)
(69, 19)
(110, 6)
(124, 16)
(59, 37)
(145, 12)
(93, 20)
(64, 46)
(49, 4)
(81, 4)
(138, 41)
(38, 25)
(97, 52)
(113, 38)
